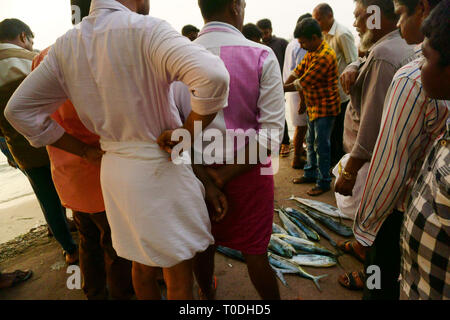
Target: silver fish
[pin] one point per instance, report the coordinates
(291, 228)
(310, 233)
(303, 245)
(281, 248)
(302, 216)
(321, 207)
(314, 260)
(280, 274)
(330, 223)
(277, 229)
(283, 263)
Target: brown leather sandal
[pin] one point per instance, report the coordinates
(346, 246)
(352, 280)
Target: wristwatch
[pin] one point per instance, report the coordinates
(345, 174)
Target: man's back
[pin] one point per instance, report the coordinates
(116, 68)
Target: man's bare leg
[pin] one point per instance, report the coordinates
(144, 282)
(299, 138)
(179, 281)
(204, 271)
(262, 276)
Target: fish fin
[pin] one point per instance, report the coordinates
(316, 281)
(280, 276)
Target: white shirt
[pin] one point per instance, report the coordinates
(342, 41)
(294, 56)
(124, 96)
(12, 69)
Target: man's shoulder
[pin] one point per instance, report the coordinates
(280, 40)
(410, 71)
(18, 53)
(342, 30)
(393, 49)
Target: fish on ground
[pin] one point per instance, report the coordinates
(283, 263)
(303, 245)
(277, 229)
(314, 260)
(291, 228)
(311, 223)
(310, 233)
(280, 247)
(321, 207)
(330, 223)
(231, 253)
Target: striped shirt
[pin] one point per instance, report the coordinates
(410, 124)
(425, 233)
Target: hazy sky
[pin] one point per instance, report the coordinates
(51, 18)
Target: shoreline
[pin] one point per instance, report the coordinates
(19, 216)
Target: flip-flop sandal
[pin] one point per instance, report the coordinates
(303, 180)
(21, 276)
(317, 191)
(214, 290)
(354, 283)
(347, 247)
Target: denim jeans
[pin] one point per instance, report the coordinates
(319, 151)
(42, 184)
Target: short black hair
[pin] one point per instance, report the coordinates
(303, 17)
(251, 31)
(264, 24)
(307, 28)
(324, 9)
(411, 5)
(386, 7)
(188, 29)
(10, 29)
(437, 29)
(210, 8)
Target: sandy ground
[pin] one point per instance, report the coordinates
(44, 256)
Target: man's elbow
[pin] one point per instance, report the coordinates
(11, 111)
(218, 75)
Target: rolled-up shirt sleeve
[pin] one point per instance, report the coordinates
(271, 104)
(31, 106)
(373, 96)
(178, 59)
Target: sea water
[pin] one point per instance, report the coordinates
(13, 183)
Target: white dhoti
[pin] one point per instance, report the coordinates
(293, 104)
(156, 209)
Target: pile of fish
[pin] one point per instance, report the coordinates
(296, 243)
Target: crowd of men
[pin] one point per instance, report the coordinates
(107, 97)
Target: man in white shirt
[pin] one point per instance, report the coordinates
(116, 67)
(294, 56)
(342, 41)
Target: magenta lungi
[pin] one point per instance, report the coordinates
(248, 225)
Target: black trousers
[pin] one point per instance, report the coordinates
(385, 253)
(286, 138)
(337, 136)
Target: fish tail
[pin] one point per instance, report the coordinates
(316, 281)
(280, 276)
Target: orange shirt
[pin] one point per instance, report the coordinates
(77, 181)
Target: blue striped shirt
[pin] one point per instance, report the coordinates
(411, 123)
